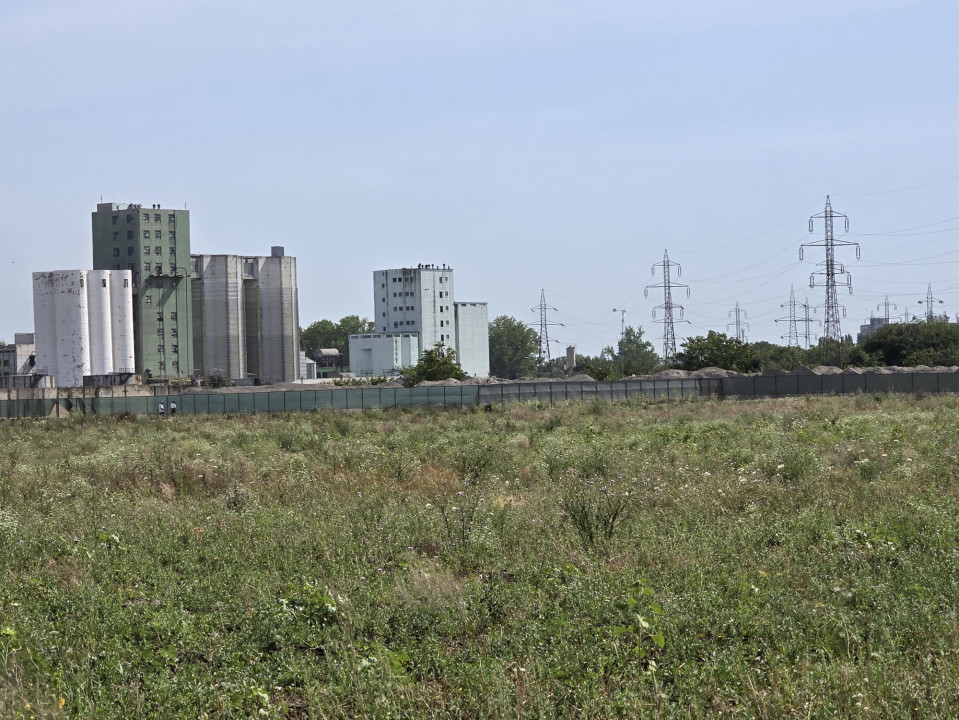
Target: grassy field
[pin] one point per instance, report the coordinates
(787, 558)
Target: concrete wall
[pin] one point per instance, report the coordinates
(472, 333)
(378, 354)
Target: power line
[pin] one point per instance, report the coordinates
(669, 330)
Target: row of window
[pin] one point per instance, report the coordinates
(162, 349)
(162, 365)
(172, 333)
(401, 308)
(171, 218)
(148, 267)
(172, 315)
(157, 235)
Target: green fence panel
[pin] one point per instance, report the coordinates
(370, 398)
(604, 391)
(527, 392)
(809, 384)
(490, 394)
(587, 390)
(852, 384)
(403, 396)
(832, 384)
(925, 382)
(276, 402)
(766, 386)
(949, 382)
(880, 383)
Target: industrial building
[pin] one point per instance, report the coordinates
(417, 305)
(154, 245)
(83, 324)
(246, 317)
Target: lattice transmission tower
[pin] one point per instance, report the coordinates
(544, 325)
(668, 307)
(793, 336)
(738, 323)
(886, 305)
(930, 303)
(830, 269)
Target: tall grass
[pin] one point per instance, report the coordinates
(775, 558)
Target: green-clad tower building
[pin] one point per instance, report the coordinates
(154, 243)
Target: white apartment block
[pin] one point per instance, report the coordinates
(419, 302)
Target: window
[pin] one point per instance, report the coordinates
(115, 267)
(173, 315)
(147, 267)
(161, 350)
(130, 266)
(396, 324)
(441, 323)
(146, 217)
(442, 338)
(173, 334)
(129, 234)
(173, 269)
(382, 285)
(171, 218)
(81, 282)
(130, 250)
(158, 250)
(116, 252)
(157, 234)
(146, 249)
(116, 236)
(126, 282)
(195, 265)
(384, 314)
(172, 250)
(248, 268)
(441, 308)
(176, 365)
(116, 219)
(156, 217)
(146, 235)
(161, 365)
(129, 219)
(103, 282)
(160, 315)
(159, 332)
(176, 349)
(147, 300)
(172, 236)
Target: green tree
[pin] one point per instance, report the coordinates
(328, 334)
(634, 355)
(436, 364)
(512, 348)
(716, 350)
(932, 342)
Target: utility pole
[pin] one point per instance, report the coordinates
(741, 326)
(793, 337)
(668, 308)
(807, 321)
(830, 269)
(930, 303)
(906, 317)
(622, 336)
(544, 324)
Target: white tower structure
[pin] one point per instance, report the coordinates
(83, 322)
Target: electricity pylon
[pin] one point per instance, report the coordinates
(668, 307)
(544, 324)
(740, 326)
(930, 303)
(886, 305)
(831, 269)
(793, 337)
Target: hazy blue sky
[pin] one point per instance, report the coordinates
(557, 146)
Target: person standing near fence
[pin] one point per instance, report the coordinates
(161, 409)
(172, 408)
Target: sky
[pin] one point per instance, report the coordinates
(554, 149)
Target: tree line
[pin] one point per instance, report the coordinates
(515, 351)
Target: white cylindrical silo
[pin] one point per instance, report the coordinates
(44, 323)
(121, 303)
(73, 348)
(100, 336)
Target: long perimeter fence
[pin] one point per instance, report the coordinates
(549, 393)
